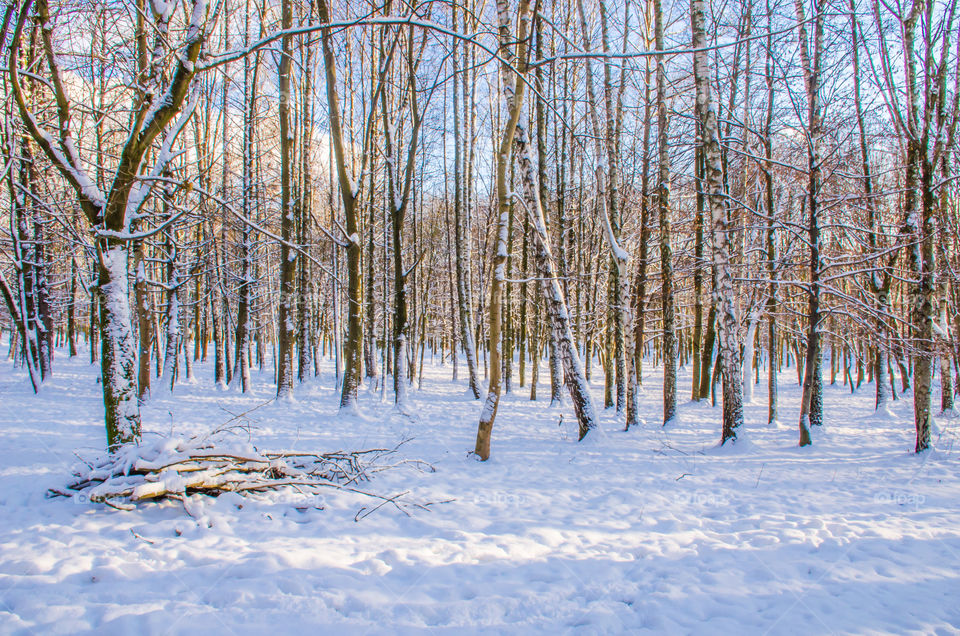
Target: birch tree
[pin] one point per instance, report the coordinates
(729, 360)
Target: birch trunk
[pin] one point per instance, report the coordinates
(556, 305)
(513, 97)
(730, 365)
(462, 242)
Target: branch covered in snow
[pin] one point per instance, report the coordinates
(174, 468)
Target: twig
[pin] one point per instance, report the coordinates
(758, 475)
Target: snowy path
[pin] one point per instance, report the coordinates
(649, 531)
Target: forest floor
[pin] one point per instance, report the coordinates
(650, 531)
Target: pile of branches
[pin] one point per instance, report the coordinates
(176, 468)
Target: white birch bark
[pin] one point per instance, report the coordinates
(730, 364)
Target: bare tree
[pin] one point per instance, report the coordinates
(110, 214)
(729, 361)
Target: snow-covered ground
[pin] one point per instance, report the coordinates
(652, 531)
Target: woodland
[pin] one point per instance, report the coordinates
(539, 194)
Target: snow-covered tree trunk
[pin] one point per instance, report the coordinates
(72, 309)
(730, 366)
(556, 306)
(619, 264)
(464, 116)
(43, 319)
(946, 367)
(492, 402)
(639, 291)
(24, 259)
(217, 318)
(707, 357)
(605, 146)
(881, 363)
(370, 323)
(118, 349)
(555, 363)
(563, 226)
(924, 308)
(353, 345)
(13, 306)
(399, 191)
(30, 249)
(17, 298)
(566, 351)
(94, 323)
(352, 356)
(535, 350)
(945, 332)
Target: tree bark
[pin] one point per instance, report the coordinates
(724, 293)
(288, 257)
(663, 212)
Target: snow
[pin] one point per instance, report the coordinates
(652, 531)
(163, 9)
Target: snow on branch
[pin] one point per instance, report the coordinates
(141, 190)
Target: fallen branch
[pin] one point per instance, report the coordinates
(175, 468)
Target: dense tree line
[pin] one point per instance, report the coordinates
(537, 192)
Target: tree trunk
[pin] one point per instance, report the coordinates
(303, 208)
(118, 352)
(241, 356)
(513, 90)
(171, 314)
(713, 181)
(810, 402)
(771, 243)
(666, 249)
(72, 309)
(353, 345)
(462, 242)
(698, 265)
(288, 256)
(144, 323)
